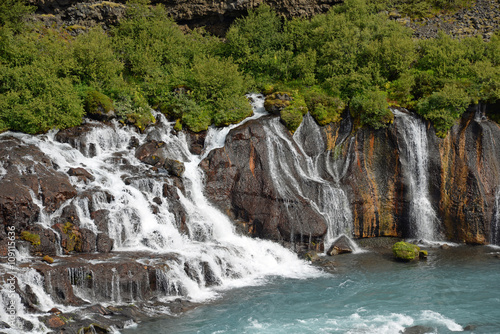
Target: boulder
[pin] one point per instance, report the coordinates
(104, 243)
(276, 102)
(81, 173)
(174, 167)
(155, 153)
(340, 246)
(99, 107)
(405, 251)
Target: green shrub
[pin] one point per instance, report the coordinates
(372, 109)
(196, 118)
(231, 110)
(444, 107)
(38, 101)
(323, 107)
(95, 62)
(97, 104)
(13, 13)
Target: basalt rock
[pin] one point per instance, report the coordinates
(239, 182)
(340, 246)
(469, 177)
(215, 16)
(155, 153)
(29, 175)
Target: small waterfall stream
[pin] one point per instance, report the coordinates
(423, 218)
(495, 226)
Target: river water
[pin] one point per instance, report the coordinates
(453, 290)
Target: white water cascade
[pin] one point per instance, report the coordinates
(296, 172)
(423, 219)
(495, 230)
(129, 190)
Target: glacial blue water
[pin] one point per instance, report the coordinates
(453, 290)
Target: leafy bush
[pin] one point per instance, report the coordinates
(231, 110)
(323, 107)
(96, 64)
(372, 109)
(444, 107)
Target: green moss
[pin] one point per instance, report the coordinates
(140, 121)
(178, 125)
(292, 117)
(73, 242)
(97, 103)
(48, 259)
(405, 251)
(31, 237)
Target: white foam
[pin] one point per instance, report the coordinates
(439, 319)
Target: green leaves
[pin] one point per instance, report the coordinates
(443, 107)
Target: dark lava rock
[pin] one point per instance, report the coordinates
(174, 167)
(341, 246)
(155, 153)
(104, 243)
(81, 173)
(196, 141)
(29, 171)
(77, 137)
(418, 330)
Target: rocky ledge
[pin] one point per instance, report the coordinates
(482, 18)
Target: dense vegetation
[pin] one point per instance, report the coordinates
(352, 56)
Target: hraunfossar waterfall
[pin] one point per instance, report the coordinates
(240, 229)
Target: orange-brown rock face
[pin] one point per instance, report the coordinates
(373, 183)
(287, 187)
(470, 178)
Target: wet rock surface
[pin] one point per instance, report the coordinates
(29, 176)
(238, 180)
(341, 246)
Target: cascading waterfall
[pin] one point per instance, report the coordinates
(296, 173)
(127, 189)
(413, 131)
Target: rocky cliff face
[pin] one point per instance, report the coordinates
(372, 169)
(215, 16)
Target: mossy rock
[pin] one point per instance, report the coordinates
(31, 237)
(48, 259)
(277, 102)
(73, 241)
(178, 125)
(405, 251)
(140, 120)
(423, 254)
(94, 328)
(98, 106)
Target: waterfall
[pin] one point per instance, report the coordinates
(414, 150)
(495, 226)
(296, 174)
(129, 191)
